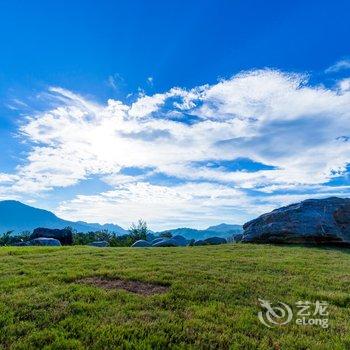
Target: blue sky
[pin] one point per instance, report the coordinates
(183, 113)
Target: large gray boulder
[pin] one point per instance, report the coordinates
(311, 221)
(166, 243)
(44, 241)
(141, 243)
(65, 236)
(180, 240)
(156, 240)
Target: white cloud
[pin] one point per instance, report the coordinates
(338, 66)
(344, 85)
(146, 105)
(191, 204)
(271, 117)
(150, 81)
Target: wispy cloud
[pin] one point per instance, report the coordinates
(115, 81)
(150, 81)
(267, 116)
(338, 66)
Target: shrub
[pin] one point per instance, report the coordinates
(8, 238)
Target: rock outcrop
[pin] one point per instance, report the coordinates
(310, 221)
(65, 236)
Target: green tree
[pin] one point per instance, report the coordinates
(121, 241)
(6, 238)
(138, 231)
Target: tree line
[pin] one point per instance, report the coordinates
(136, 232)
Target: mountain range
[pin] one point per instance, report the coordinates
(222, 230)
(18, 217)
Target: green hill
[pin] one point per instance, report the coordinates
(180, 298)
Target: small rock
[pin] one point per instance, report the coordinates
(166, 243)
(99, 244)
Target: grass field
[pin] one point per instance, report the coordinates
(212, 300)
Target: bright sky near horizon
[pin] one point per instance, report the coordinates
(183, 113)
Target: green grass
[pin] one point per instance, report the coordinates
(212, 302)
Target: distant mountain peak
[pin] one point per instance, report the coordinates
(221, 230)
(224, 227)
(18, 217)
